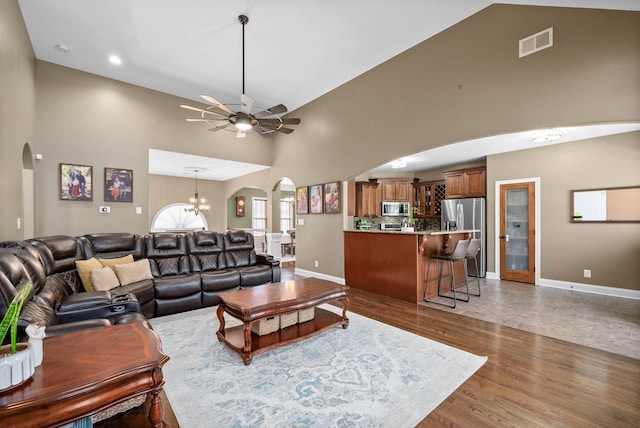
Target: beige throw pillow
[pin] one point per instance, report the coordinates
(133, 272)
(119, 261)
(104, 279)
(84, 271)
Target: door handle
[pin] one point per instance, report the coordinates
(505, 237)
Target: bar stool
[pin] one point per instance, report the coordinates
(472, 254)
(459, 254)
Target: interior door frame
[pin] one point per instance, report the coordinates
(538, 234)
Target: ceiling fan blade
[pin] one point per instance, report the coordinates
(200, 110)
(262, 132)
(271, 111)
(217, 128)
(216, 103)
(284, 121)
(277, 128)
(205, 120)
(246, 103)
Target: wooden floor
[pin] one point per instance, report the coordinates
(528, 381)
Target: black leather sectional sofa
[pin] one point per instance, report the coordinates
(187, 272)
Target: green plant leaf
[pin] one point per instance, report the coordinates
(10, 320)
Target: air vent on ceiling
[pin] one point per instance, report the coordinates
(537, 42)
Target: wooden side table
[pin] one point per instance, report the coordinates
(86, 372)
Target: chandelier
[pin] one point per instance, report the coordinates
(196, 204)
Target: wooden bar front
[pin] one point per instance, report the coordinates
(394, 264)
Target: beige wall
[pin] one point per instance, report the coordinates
(610, 251)
(90, 120)
(464, 83)
(17, 112)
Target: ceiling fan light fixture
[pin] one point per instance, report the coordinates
(243, 123)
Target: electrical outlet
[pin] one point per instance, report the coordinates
(587, 273)
(315, 263)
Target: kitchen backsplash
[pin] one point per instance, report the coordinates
(373, 223)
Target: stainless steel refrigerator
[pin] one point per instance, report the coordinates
(468, 213)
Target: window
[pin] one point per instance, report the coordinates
(175, 218)
(259, 213)
(286, 215)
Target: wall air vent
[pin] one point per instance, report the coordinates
(537, 42)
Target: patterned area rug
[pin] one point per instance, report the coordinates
(369, 375)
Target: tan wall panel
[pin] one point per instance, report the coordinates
(609, 250)
(17, 113)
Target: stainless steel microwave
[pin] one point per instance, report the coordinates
(391, 209)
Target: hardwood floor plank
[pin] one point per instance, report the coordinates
(529, 380)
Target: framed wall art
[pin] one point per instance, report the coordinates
(332, 198)
(315, 199)
(302, 200)
(76, 182)
(118, 185)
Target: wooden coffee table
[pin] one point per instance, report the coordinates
(85, 372)
(256, 303)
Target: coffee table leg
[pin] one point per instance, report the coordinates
(345, 307)
(246, 352)
(156, 411)
(220, 313)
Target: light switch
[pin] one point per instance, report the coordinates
(138, 210)
(300, 222)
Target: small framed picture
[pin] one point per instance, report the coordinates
(332, 198)
(302, 200)
(118, 185)
(315, 199)
(76, 182)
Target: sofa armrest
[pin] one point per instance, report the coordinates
(266, 259)
(96, 304)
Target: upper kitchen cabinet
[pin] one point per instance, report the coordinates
(368, 199)
(466, 183)
(396, 190)
(428, 196)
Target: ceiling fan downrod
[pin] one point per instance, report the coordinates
(243, 20)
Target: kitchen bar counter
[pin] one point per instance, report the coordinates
(394, 263)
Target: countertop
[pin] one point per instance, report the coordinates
(421, 232)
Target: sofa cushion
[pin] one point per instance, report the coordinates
(110, 245)
(220, 280)
(117, 261)
(104, 279)
(164, 241)
(255, 275)
(133, 272)
(84, 268)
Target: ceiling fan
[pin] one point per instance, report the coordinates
(220, 116)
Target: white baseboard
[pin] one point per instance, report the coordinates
(594, 289)
(583, 288)
(304, 272)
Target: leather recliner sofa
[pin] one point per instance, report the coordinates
(188, 271)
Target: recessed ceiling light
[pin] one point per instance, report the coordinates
(63, 48)
(546, 135)
(115, 60)
(400, 163)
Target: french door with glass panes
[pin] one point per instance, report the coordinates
(517, 232)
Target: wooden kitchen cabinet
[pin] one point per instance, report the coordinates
(368, 199)
(393, 190)
(466, 183)
(428, 196)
